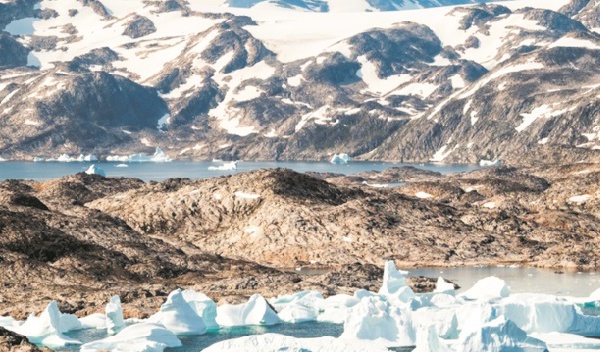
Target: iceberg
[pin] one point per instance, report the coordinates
(159, 156)
(374, 319)
(93, 321)
(487, 163)
(394, 285)
(122, 165)
(144, 337)
(501, 335)
(595, 296)
(545, 313)
(254, 312)
(204, 307)
(65, 158)
(37, 159)
(225, 167)
(335, 309)
(95, 170)
(88, 158)
(114, 315)
(444, 287)
(489, 288)
(276, 342)
(46, 329)
(340, 159)
(178, 316)
(429, 341)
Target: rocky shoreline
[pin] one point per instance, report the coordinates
(82, 238)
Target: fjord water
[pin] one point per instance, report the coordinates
(198, 169)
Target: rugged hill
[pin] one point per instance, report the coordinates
(462, 84)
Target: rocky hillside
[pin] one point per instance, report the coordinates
(82, 238)
(450, 84)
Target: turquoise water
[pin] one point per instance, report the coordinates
(197, 169)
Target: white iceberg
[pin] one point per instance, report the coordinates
(275, 342)
(429, 341)
(66, 158)
(144, 337)
(46, 329)
(159, 156)
(37, 159)
(394, 285)
(444, 287)
(204, 307)
(374, 319)
(595, 296)
(489, 288)
(118, 158)
(545, 313)
(501, 335)
(335, 309)
(178, 316)
(114, 315)
(340, 159)
(95, 170)
(88, 158)
(225, 167)
(93, 321)
(122, 165)
(254, 312)
(487, 163)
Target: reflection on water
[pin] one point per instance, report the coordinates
(520, 279)
(198, 169)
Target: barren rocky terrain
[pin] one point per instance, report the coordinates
(82, 238)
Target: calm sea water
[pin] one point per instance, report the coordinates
(197, 169)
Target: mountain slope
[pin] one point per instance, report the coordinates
(496, 80)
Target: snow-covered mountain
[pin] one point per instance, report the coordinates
(339, 5)
(203, 80)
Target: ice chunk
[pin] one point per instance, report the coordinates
(205, 307)
(340, 159)
(45, 329)
(595, 296)
(89, 157)
(335, 309)
(282, 300)
(487, 289)
(444, 321)
(136, 338)
(122, 165)
(485, 163)
(429, 341)
(37, 159)
(178, 316)
(114, 315)
(394, 284)
(95, 170)
(444, 287)
(225, 167)
(254, 312)
(297, 313)
(159, 156)
(546, 313)
(93, 321)
(65, 158)
(376, 320)
(275, 342)
(501, 335)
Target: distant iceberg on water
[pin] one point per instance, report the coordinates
(225, 167)
(340, 159)
(159, 156)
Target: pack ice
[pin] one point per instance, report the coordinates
(486, 317)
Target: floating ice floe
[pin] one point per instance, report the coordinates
(38, 159)
(276, 342)
(485, 163)
(302, 308)
(95, 170)
(254, 312)
(159, 156)
(444, 287)
(178, 316)
(143, 337)
(2, 159)
(487, 289)
(501, 335)
(48, 328)
(225, 167)
(122, 165)
(93, 321)
(340, 159)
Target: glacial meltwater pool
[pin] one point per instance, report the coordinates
(197, 169)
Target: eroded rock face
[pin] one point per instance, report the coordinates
(12, 342)
(139, 26)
